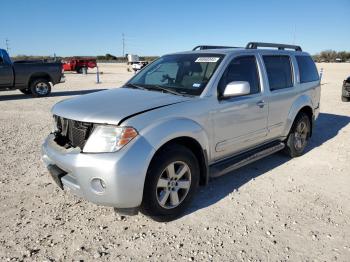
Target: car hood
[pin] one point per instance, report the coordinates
(114, 105)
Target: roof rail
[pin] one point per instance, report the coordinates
(204, 47)
(255, 45)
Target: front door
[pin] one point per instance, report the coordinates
(240, 122)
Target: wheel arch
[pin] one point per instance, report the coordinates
(194, 146)
(307, 109)
(185, 132)
(35, 76)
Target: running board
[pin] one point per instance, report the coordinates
(243, 159)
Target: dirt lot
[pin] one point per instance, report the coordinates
(276, 209)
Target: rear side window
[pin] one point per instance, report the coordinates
(279, 71)
(307, 69)
(242, 68)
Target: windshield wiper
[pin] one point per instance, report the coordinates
(168, 90)
(136, 86)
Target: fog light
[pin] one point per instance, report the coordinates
(98, 185)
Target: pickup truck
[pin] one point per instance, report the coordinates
(78, 64)
(180, 121)
(30, 77)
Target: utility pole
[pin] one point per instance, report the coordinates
(123, 41)
(7, 43)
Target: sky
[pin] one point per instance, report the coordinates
(157, 27)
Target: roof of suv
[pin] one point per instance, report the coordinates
(251, 47)
(226, 51)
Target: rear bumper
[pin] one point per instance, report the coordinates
(123, 173)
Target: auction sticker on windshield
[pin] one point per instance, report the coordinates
(207, 59)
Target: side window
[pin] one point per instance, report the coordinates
(1, 60)
(307, 69)
(242, 68)
(279, 71)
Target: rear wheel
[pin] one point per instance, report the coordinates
(171, 181)
(299, 136)
(40, 87)
(26, 91)
(79, 70)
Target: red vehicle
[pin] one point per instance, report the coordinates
(78, 63)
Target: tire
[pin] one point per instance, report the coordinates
(345, 99)
(26, 91)
(40, 87)
(298, 136)
(161, 188)
(79, 70)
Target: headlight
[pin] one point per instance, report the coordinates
(108, 138)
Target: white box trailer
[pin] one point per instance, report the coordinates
(133, 59)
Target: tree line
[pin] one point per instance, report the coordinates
(332, 56)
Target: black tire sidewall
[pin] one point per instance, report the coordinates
(290, 145)
(26, 91)
(37, 81)
(345, 99)
(150, 205)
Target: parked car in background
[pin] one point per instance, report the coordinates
(345, 97)
(181, 120)
(30, 77)
(139, 65)
(78, 64)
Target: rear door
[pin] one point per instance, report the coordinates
(6, 72)
(282, 92)
(240, 122)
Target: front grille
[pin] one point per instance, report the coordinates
(71, 133)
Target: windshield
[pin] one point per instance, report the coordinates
(184, 74)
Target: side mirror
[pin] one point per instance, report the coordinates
(236, 88)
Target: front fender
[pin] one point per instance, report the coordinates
(298, 104)
(158, 134)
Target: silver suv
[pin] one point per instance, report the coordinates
(183, 119)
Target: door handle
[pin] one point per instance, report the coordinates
(261, 103)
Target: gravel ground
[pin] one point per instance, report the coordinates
(276, 209)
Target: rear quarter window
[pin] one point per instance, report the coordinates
(307, 69)
(279, 71)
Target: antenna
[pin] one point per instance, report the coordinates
(7, 43)
(123, 41)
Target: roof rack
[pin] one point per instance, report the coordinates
(204, 47)
(255, 45)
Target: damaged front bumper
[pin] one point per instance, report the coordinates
(108, 179)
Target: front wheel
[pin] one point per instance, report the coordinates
(299, 136)
(40, 87)
(171, 181)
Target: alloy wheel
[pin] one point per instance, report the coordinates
(301, 135)
(42, 88)
(173, 185)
